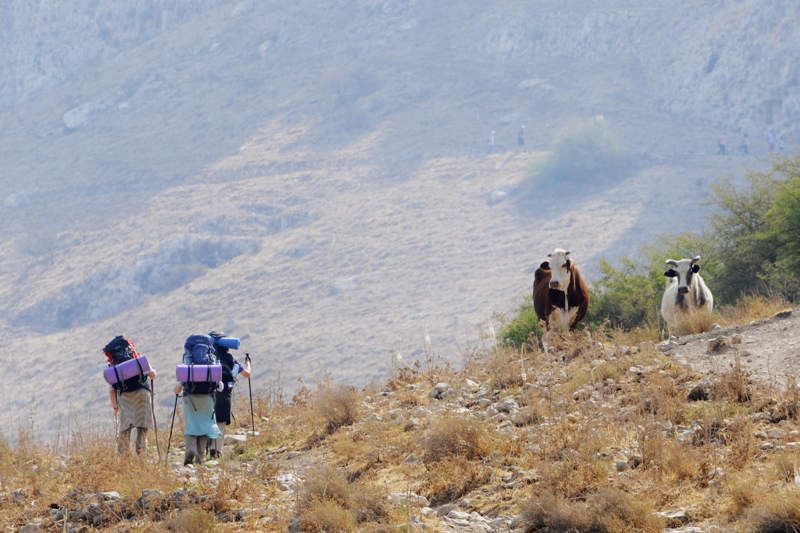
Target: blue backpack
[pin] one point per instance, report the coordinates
(199, 350)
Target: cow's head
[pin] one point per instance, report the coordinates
(683, 270)
(560, 269)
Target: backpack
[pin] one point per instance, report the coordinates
(226, 360)
(118, 351)
(199, 350)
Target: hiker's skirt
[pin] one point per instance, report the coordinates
(198, 416)
(135, 410)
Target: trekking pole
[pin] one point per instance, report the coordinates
(250, 388)
(155, 422)
(169, 442)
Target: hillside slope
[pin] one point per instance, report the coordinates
(315, 182)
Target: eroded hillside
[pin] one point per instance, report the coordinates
(315, 180)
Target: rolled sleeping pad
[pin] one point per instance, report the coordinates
(232, 343)
(126, 370)
(186, 373)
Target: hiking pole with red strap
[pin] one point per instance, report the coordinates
(169, 442)
(250, 388)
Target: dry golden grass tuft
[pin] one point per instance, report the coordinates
(605, 511)
(456, 436)
(694, 323)
(337, 406)
(192, 521)
(453, 477)
(776, 512)
(329, 502)
(752, 308)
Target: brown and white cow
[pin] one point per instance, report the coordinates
(686, 291)
(560, 297)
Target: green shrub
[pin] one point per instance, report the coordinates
(585, 155)
(521, 330)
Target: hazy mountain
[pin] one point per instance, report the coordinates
(312, 176)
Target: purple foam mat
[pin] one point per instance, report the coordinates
(185, 373)
(126, 370)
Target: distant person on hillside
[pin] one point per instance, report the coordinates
(490, 143)
(721, 144)
(521, 138)
(743, 144)
(222, 409)
(771, 139)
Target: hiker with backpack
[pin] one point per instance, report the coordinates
(131, 394)
(231, 367)
(201, 377)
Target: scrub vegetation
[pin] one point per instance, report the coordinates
(750, 259)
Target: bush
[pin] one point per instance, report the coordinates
(523, 329)
(605, 511)
(456, 437)
(585, 155)
(338, 406)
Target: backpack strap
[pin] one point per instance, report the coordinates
(120, 381)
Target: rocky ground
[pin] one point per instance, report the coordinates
(678, 424)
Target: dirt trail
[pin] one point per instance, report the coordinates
(769, 348)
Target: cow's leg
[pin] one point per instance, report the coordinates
(543, 325)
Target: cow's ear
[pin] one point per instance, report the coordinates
(545, 265)
(670, 273)
(695, 268)
(569, 264)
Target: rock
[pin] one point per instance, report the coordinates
(621, 466)
(500, 193)
(507, 405)
(777, 433)
(373, 417)
(422, 413)
(786, 313)
(109, 496)
(530, 84)
(29, 528)
(718, 345)
(411, 498)
(645, 345)
(676, 517)
(714, 327)
(18, 496)
(441, 387)
(411, 459)
(292, 455)
(667, 346)
(471, 385)
(458, 515)
(232, 440)
(445, 509)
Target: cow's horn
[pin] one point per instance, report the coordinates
(695, 259)
(566, 253)
(672, 262)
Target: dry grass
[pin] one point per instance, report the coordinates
(752, 308)
(453, 477)
(778, 512)
(338, 406)
(605, 511)
(192, 521)
(694, 323)
(467, 438)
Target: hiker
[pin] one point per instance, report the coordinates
(198, 398)
(490, 143)
(231, 367)
(131, 397)
(521, 138)
(743, 144)
(721, 144)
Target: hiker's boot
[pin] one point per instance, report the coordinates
(188, 458)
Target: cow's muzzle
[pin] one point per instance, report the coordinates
(683, 290)
(553, 284)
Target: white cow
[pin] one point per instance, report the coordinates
(686, 291)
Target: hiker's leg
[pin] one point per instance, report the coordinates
(141, 439)
(202, 448)
(220, 442)
(190, 454)
(124, 440)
